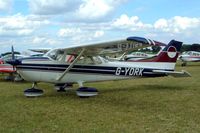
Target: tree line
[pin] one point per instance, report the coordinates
(189, 47)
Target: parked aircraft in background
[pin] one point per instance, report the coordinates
(40, 50)
(9, 69)
(189, 56)
(134, 56)
(79, 64)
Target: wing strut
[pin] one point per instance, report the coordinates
(71, 65)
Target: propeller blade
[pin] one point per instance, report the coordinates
(13, 53)
(13, 56)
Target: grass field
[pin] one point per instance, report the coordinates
(142, 105)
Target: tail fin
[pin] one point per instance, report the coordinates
(170, 52)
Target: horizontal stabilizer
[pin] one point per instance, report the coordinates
(173, 73)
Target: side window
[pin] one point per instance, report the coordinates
(69, 58)
(190, 53)
(85, 60)
(97, 60)
(59, 55)
(89, 60)
(52, 54)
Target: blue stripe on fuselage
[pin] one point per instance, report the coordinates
(117, 71)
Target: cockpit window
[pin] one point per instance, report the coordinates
(89, 60)
(56, 55)
(190, 53)
(62, 56)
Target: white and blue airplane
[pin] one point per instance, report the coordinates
(79, 64)
(189, 56)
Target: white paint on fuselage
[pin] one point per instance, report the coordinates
(190, 59)
(51, 76)
(190, 56)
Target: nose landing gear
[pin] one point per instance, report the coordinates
(33, 92)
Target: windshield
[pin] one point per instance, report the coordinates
(62, 56)
(56, 54)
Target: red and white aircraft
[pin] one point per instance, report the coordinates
(7, 68)
(189, 56)
(87, 65)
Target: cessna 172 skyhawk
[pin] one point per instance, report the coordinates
(79, 64)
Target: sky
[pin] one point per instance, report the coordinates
(29, 24)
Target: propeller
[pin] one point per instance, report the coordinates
(14, 62)
(13, 56)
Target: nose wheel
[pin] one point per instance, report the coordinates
(33, 92)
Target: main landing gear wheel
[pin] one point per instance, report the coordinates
(33, 92)
(86, 92)
(183, 64)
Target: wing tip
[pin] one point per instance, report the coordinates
(145, 40)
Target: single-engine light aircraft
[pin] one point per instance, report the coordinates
(9, 69)
(189, 56)
(84, 63)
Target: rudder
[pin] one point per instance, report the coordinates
(170, 52)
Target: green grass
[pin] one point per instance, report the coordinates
(142, 105)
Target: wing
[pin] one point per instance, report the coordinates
(130, 43)
(40, 50)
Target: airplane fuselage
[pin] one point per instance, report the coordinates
(190, 56)
(45, 70)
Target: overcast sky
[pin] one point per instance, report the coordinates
(60, 23)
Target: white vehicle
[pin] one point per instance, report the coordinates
(80, 64)
(189, 56)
